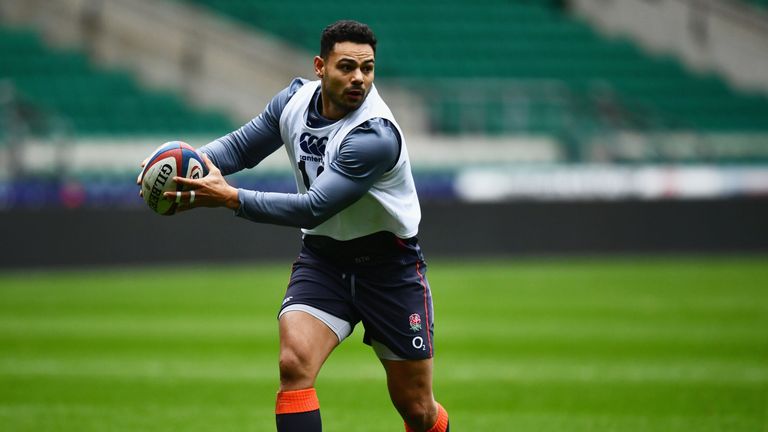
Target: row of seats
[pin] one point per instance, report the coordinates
(91, 101)
(525, 42)
(521, 40)
(760, 3)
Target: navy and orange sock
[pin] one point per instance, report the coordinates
(298, 411)
(441, 425)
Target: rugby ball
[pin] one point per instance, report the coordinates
(172, 159)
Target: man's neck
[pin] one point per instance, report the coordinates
(316, 117)
(326, 109)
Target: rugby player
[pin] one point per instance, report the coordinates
(357, 206)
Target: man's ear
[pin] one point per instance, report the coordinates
(319, 67)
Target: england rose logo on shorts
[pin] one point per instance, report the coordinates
(415, 322)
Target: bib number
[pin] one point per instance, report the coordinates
(312, 149)
(305, 176)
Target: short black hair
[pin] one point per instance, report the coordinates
(346, 31)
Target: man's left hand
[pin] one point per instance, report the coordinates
(209, 191)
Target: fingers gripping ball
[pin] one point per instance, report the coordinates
(174, 158)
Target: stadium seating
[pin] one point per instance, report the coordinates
(759, 3)
(522, 47)
(90, 101)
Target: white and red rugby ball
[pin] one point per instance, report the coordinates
(172, 159)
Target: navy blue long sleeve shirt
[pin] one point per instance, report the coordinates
(365, 154)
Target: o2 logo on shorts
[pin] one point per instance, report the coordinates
(414, 321)
(418, 343)
(312, 159)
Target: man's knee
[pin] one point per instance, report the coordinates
(295, 372)
(418, 413)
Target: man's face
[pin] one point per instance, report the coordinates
(346, 78)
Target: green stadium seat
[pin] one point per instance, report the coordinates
(95, 101)
(524, 41)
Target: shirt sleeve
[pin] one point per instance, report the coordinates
(254, 141)
(367, 152)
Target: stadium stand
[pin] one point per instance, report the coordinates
(522, 67)
(759, 3)
(92, 101)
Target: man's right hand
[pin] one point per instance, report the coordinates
(141, 175)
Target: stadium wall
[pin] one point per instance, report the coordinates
(92, 238)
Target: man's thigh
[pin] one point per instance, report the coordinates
(409, 381)
(305, 344)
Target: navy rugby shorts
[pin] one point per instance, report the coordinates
(379, 280)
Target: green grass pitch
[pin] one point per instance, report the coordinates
(673, 344)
